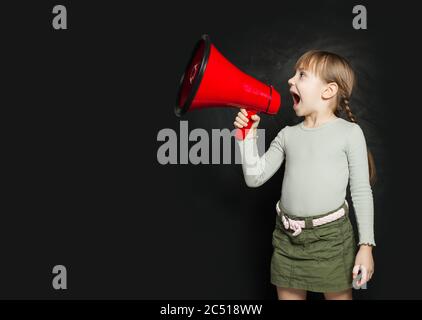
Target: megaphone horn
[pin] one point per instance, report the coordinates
(210, 80)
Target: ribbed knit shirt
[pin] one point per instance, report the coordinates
(319, 164)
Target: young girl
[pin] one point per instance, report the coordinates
(313, 240)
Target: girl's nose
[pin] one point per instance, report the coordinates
(290, 82)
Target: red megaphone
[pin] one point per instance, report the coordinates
(210, 80)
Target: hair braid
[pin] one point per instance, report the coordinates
(344, 106)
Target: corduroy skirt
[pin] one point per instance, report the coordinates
(319, 259)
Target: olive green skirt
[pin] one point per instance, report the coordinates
(319, 259)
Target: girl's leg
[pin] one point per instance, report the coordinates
(291, 294)
(341, 295)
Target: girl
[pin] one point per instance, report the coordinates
(313, 240)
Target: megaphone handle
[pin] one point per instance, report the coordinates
(242, 133)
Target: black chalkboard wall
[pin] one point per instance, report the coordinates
(85, 189)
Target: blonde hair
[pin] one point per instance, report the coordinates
(331, 67)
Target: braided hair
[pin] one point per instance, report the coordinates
(343, 107)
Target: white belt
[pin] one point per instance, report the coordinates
(298, 225)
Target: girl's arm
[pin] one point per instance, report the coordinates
(360, 187)
(257, 170)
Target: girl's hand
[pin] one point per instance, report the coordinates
(365, 262)
(242, 120)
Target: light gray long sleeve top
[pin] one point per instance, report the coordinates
(320, 162)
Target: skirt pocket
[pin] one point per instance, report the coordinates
(278, 237)
(329, 242)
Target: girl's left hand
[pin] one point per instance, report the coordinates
(365, 262)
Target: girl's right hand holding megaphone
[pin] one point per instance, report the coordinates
(242, 120)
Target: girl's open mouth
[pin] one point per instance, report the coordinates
(296, 98)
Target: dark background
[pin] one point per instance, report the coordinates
(81, 112)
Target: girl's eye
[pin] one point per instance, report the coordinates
(301, 74)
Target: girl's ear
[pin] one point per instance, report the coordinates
(330, 90)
